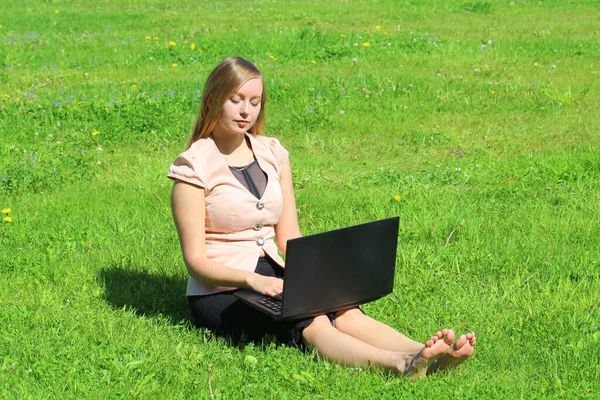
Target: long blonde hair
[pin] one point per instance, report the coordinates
(224, 81)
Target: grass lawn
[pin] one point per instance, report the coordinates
(475, 121)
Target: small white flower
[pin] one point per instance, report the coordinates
(342, 112)
(490, 41)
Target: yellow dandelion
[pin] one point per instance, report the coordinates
(172, 43)
(174, 65)
(148, 37)
(271, 56)
(56, 11)
(6, 96)
(493, 92)
(79, 102)
(95, 133)
(0, 26)
(234, 42)
(537, 65)
(313, 61)
(342, 35)
(310, 217)
(134, 86)
(155, 38)
(7, 219)
(6, 211)
(286, 85)
(192, 46)
(366, 44)
(378, 28)
(397, 197)
(123, 82)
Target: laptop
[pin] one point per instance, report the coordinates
(333, 270)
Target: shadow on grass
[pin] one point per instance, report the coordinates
(148, 294)
(152, 295)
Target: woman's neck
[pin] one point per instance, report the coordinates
(235, 149)
(228, 144)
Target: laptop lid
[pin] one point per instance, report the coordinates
(338, 269)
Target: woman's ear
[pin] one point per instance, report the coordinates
(209, 100)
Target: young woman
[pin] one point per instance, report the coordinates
(231, 198)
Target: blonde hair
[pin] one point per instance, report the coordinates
(223, 82)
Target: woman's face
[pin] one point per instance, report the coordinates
(241, 109)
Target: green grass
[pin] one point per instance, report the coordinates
(476, 111)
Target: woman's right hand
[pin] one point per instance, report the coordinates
(266, 285)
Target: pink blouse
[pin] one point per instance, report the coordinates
(237, 224)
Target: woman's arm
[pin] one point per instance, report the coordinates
(188, 207)
(287, 228)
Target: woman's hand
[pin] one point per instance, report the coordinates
(266, 285)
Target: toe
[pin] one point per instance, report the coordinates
(450, 336)
(462, 340)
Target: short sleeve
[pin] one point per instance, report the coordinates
(282, 156)
(186, 169)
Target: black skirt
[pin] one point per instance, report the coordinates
(227, 316)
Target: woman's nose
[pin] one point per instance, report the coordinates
(244, 108)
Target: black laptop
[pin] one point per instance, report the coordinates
(333, 270)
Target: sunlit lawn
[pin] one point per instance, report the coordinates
(476, 122)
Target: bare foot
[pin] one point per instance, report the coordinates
(458, 352)
(436, 347)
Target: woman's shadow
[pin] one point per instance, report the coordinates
(155, 295)
(151, 295)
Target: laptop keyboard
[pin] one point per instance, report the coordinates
(270, 303)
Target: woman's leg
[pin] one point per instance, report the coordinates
(359, 325)
(355, 323)
(345, 349)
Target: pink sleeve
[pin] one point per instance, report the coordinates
(281, 155)
(187, 169)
